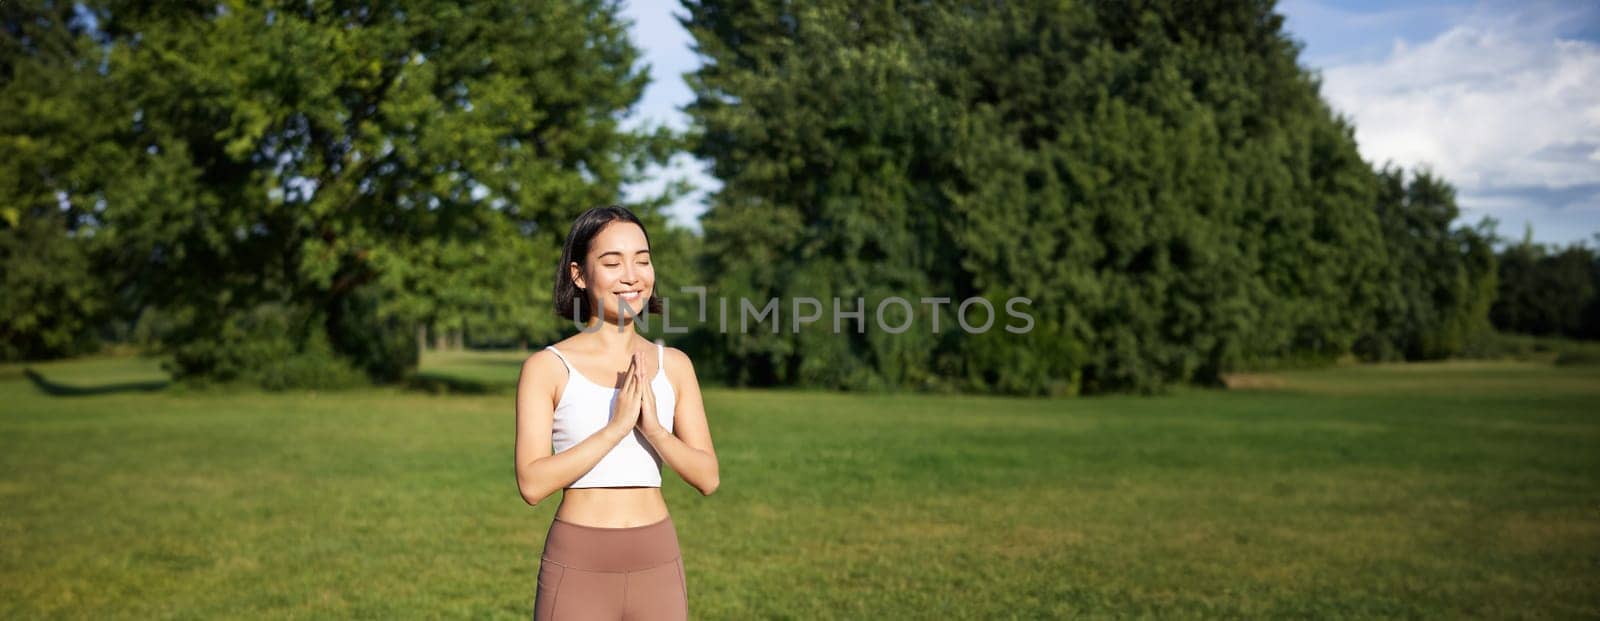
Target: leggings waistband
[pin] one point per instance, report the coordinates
(599, 548)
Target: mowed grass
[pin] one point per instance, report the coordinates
(1412, 491)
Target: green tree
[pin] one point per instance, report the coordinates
(1548, 291)
(324, 177)
(52, 296)
(1162, 180)
(1440, 279)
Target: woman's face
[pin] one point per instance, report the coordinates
(617, 270)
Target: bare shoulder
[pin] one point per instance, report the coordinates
(677, 357)
(679, 366)
(542, 362)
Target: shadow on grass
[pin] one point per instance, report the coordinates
(445, 384)
(64, 390)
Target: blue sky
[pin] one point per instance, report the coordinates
(1501, 98)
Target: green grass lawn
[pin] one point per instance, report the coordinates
(1417, 491)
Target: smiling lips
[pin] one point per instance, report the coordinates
(631, 296)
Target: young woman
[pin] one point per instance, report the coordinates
(613, 406)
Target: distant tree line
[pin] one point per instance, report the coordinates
(1548, 290)
(296, 194)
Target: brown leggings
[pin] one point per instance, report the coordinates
(594, 572)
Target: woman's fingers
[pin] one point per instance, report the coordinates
(636, 378)
(633, 385)
(636, 369)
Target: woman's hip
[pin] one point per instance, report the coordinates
(596, 548)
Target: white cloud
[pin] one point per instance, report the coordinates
(1501, 105)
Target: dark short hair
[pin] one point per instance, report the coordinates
(589, 223)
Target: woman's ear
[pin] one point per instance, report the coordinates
(576, 275)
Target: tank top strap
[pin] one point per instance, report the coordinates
(558, 354)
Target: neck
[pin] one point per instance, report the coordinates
(612, 336)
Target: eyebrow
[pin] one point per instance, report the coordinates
(619, 253)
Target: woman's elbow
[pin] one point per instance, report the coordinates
(533, 495)
(710, 486)
(533, 492)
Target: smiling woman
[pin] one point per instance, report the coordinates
(606, 260)
(597, 418)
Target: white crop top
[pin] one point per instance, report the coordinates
(586, 407)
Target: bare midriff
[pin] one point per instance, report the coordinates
(612, 507)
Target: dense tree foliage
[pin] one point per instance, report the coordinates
(1548, 291)
(1161, 180)
(1438, 281)
(50, 299)
(293, 183)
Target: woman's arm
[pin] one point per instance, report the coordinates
(540, 474)
(687, 448)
